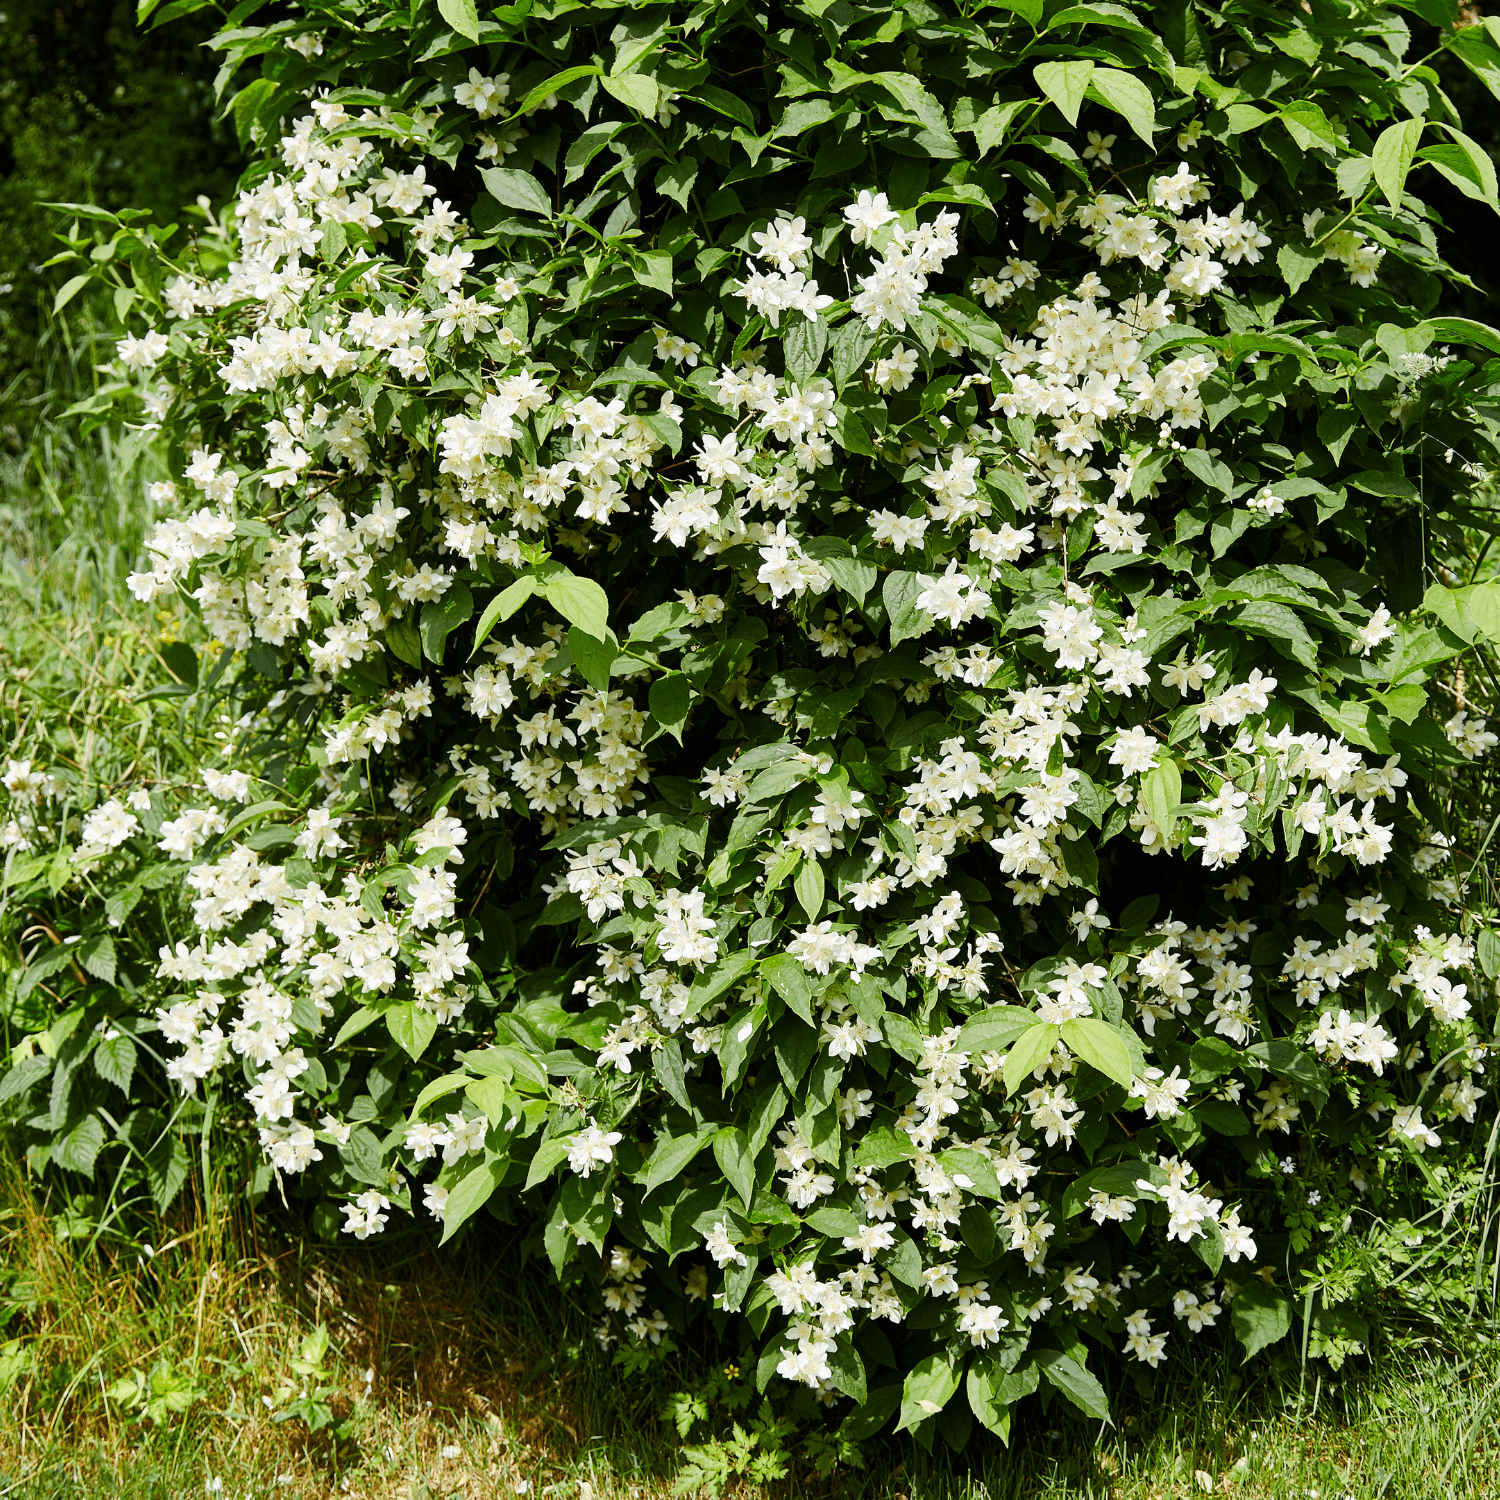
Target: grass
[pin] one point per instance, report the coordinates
(463, 1375)
(73, 503)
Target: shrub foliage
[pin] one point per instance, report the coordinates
(848, 665)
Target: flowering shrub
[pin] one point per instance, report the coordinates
(844, 713)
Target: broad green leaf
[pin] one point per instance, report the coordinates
(1395, 149)
(808, 885)
(490, 1095)
(722, 101)
(518, 190)
(929, 1386)
(114, 1061)
(900, 592)
(995, 1029)
(732, 1152)
(246, 107)
(461, 16)
(636, 90)
(1260, 1314)
(671, 1155)
(469, 1194)
(792, 982)
(1101, 1046)
(1466, 164)
(1477, 48)
(1309, 127)
(411, 1027)
(543, 91)
(1028, 10)
(68, 290)
(1070, 1378)
(989, 129)
(502, 607)
(805, 343)
(78, 1148)
(436, 1089)
(363, 1017)
(992, 1391)
(1127, 95)
(670, 699)
(580, 601)
(653, 268)
(1162, 786)
(1028, 1052)
(1463, 331)
(97, 956)
(593, 657)
(1065, 84)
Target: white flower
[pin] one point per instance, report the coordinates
(592, 1147)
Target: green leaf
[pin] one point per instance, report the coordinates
(1466, 164)
(929, 1387)
(1478, 50)
(461, 16)
(68, 290)
(1099, 1045)
(1162, 786)
(1260, 1314)
(580, 601)
(883, 1146)
(502, 607)
(79, 1147)
(671, 1155)
(722, 101)
(404, 641)
(636, 90)
(995, 1029)
(1309, 127)
(792, 982)
(1463, 331)
(1395, 148)
(442, 617)
(593, 657)
(411, 1027)
(653, 269)
(114, 1061)
(1065, 84)
(1029, 1051)
(97, 956)
(804, 344)
(1296, 263)
(519, 190)
(469, 1194)
(992, 1391)
(1126, 95)
(732, 1152)
(246, 106)
(1072, 1380)
(808, 884)
(491, 1095)
(900, 592)
(544, 90)
(990, 128)
(670, 699)
(356, 1023)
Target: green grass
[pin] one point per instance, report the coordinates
(456, 1375)
(73, 504)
